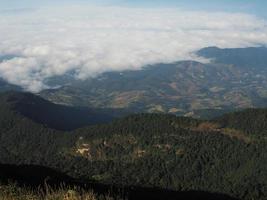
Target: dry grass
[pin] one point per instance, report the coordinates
(208, 126)
(14, 192)
(232, 133)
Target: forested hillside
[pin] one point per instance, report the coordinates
(147, 150)
(251, 121)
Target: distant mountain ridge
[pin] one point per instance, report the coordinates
(252, 57)
(5, 86)
(234, 79)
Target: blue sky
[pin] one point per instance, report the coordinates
(256, 7)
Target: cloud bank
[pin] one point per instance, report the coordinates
(39, 44)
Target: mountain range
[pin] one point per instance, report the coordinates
(185, 128)
(233, 79)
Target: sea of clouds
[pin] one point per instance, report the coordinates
(42, 43)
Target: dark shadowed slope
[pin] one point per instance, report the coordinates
(32, 175)
(52, 115)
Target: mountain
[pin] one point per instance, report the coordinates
(5, 86)
(234, 79)
(160, 151)
(252, 57)
(54, 116)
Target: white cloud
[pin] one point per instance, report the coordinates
(91, 40)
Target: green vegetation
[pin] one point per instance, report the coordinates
(148, 150)
(251, 121)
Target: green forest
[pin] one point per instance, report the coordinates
(224, 155)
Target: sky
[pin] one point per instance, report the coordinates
(43, 39)
(256, 7)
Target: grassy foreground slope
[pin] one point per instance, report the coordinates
(14, 192)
